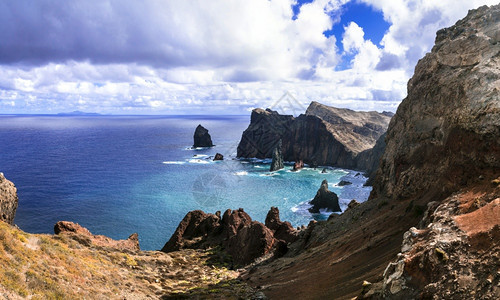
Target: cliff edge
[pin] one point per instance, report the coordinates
(8, 200)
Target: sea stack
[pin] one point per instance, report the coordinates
(277, 163)
(202, 137)
(325, 199)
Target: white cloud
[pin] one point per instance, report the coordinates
(220, 56)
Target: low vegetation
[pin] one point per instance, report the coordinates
(39, 266)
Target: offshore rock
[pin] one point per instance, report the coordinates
(322, 136)
(86, 238)
(8, 200)
(298, 165)
(218, 156)
(325, 199)
(202, 137)
(277, 162)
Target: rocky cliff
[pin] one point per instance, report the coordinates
(322, 136)
(438, 174)
(8, 200)
(446, 132)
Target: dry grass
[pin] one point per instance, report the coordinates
(41, 266)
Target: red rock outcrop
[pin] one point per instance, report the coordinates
(245, 240)
(8, 200)
(85, 237)
(282, 230)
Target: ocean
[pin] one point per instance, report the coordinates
(117, 175)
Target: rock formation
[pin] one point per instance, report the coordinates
(277, 162)
(445, 133)
(325, 199)
(8, 200)
(322, 136)
(218, 156)
(344, 182)
(86, 238)
(281, 230)
(239, 236)
(202, 137)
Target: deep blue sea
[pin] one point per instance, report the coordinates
(117, 175)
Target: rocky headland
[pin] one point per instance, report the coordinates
(322, 136)
(8, 200)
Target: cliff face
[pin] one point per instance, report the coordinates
(438, 174)
(8, 200)
(446, 132)
(322, 136)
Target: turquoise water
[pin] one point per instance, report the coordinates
(121, 174)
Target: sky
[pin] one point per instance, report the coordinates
(213, 57)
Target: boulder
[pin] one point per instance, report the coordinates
(325, 199)
(218, 156)
(298, 165)
(86, 238)
(202, 137)
(277, 162)
(8, 200)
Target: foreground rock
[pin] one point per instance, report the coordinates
(277, 162)
(322, 136)
(85, 237)
(453, 253)
(325, 199)
(8, 200)
(281, 230)
(202, 137)
(245, 240)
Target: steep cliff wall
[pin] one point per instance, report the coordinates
(445, 134)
